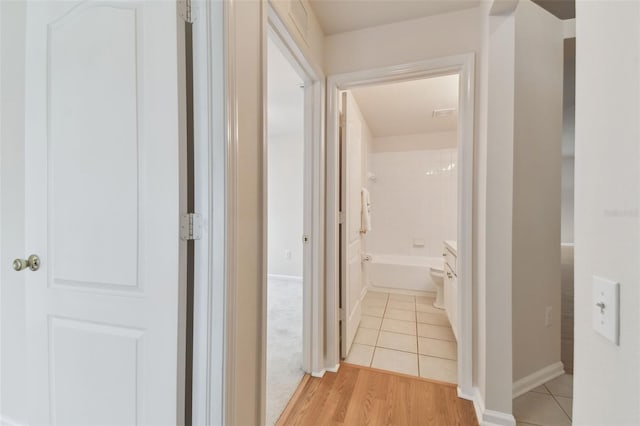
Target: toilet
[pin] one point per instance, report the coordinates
(437, 275)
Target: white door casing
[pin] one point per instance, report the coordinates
(351, 186)
(103, 179)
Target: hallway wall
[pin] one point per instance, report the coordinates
(607, 202)
(537, 164)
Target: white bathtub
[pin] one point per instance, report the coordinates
(401, 272)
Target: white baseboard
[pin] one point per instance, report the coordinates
(490, 417)
(334, 369)
(289, 278)
(532, 381)
(318, 374)
(8, 421)
(464, 395)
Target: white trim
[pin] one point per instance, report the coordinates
(230, 188)
(490, 417)
(289, 278)
(537, 378)
(210, 290)
(318, 374)
(464, 65)
(2, 197)
(334, 369)
(8, 421)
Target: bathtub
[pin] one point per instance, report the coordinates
(401, 272)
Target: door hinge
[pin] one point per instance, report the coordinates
(341, 314)
(342, 120)
(340, 217)
(190, 227)
(186, 11)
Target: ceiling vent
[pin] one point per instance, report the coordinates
(444, 112)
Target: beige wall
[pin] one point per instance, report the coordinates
(403, 42)
(312, 46)
(245, 336)
(537, 165)
(567, 200)
(13, 386)
(607, 199)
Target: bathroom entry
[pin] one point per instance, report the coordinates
(285, 217)
(398, 226)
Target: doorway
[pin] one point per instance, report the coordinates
(463, 66)
(293, 173)
(285, 217)
(399, 230)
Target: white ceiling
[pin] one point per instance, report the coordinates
(285, 97)
(337, 16)
(406, 108)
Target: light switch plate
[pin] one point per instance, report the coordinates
(606, 308)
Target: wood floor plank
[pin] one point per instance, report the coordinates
(362, 396)
(294, 399)
(341, 397)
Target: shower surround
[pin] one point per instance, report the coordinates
(414, 208)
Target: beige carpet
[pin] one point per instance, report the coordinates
(284, 345)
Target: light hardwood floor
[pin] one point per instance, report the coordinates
(365, 396)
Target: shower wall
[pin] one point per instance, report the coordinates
(414, 194)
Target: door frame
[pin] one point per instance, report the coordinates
(214, 195)
(464, 65)
(314, 166)
(215, 106)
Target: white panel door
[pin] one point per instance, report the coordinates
(102, 212)
(351, 186)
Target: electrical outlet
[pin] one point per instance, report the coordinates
(548, 316)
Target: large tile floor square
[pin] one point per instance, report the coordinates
(400, 314)
(360, 354)
(397, 326)
(397, 341)
(366, 336)
(540, 409)
(438, 348)
(444, 370)
(550, 404)
(398, 361)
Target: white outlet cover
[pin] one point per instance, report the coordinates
(606, 320)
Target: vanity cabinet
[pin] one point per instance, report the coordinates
(451, 287)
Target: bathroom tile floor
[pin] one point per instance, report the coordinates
(547, 405)
(405, 334)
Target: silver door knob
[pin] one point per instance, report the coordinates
(33, 263)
